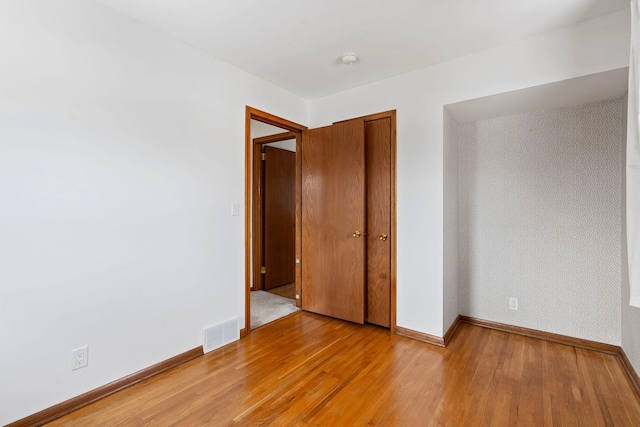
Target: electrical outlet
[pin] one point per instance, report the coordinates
(235, 209)
(79, 357)
(513, 303)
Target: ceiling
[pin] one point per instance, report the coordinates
(577, 91)
(297, 44)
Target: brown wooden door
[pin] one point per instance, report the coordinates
(279, 217)
(378, 145)
(333, 210)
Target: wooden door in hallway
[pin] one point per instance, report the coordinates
(279, 217)
(334, 221)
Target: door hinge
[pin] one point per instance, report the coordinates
(263, 156)
(263, 270)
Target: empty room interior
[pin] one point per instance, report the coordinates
(371, 213)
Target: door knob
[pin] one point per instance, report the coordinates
(383, 236)
(357, 234)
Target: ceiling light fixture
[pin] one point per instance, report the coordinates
(349, 58)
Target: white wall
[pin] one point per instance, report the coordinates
(590, 47)
(121, 152)
(630, 318)
(540, 209)
(451, 133)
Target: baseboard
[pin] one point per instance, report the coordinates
(452, 330)
(419, 336)
(73, 404)
(547, 336)
(631, 372)
(430, 339)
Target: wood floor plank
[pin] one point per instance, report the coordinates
(311, 370)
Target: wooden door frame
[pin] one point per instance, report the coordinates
(391, 114)
(250, 188)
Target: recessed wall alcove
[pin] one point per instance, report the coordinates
(534, 208)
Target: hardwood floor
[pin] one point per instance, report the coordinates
(287, 291)
(308, 369)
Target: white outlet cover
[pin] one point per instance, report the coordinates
(513, 303)
(79, 357)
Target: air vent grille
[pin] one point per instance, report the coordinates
(221, 334)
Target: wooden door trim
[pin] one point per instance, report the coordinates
(382, 115)
(391, 114)
(261, 116)
(274, 138)
(298, 219)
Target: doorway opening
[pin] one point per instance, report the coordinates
(271, 217)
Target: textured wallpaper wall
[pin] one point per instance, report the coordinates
(540, 219)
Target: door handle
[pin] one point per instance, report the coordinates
(382, 237)
(357, 234)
